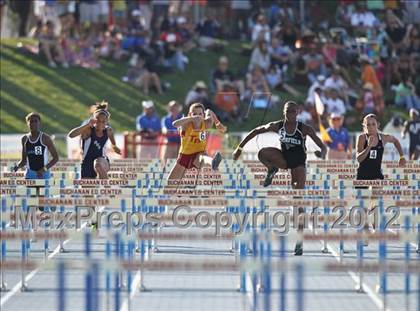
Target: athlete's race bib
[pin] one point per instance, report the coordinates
(372, 154)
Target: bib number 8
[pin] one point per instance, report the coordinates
(38, 150)
(202, 136)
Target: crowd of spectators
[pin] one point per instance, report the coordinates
(355, 55)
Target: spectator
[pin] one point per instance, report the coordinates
(223, 75)
(314, 63)
(280, 55)
(412, 11)
(318, 85)
(366, 103)
(89, 11)
(198, 94)
(340, 148)
(334, 103)
(413, 44)
(227, 101)
(208, 31)
(369, 76)
(173, 56)
(173, 140)
(405, 95)
(51, 46)
(240, 10)
(274, 77)
(257, 85)
(119, 13)
(337, 82)
(362, 19)
(396, 32)
(185, 31)
(143, 78)
(300, 72)
(289, 36)
(149, 127)
(261, 31)
(305, 115)
(260, 57)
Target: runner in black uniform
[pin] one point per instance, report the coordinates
(370, 149)
(95, 135)
(413, 128)
(292, 154)
(35, 148)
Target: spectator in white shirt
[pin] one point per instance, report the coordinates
(362, 18)
(334, 103)
(261, 57)
(318, 84)
(261, 30)
(335, 81)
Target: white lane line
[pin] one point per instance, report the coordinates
(17, 287)
(371, 293)
(134, 289)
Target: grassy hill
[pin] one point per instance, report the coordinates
(63, 96)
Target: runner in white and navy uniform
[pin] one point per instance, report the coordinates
(95, 135)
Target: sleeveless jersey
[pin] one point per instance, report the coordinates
(192, 140)
(293, 145)
(93, 146)
(36, 153)
(414, 134)
(370, 167)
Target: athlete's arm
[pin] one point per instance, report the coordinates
(392, 139)
(47, 141)
(405, 129)
(269, 127)
(183, 122)
(309, 130)
(22, 161)
(362, 152)
(110, 133)
(211, 118)
(83, 130)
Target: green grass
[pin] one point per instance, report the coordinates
(63, 96)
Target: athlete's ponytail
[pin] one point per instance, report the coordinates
(101, 108)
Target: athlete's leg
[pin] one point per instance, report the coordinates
(206, 160)
(416, 154)
(272, 158)
(177, 172)
(101, 166)
(298, 182)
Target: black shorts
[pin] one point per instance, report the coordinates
(368, 176)
(88, 170)
(294, 160)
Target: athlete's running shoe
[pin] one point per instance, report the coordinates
(270, 175)
(216, 161)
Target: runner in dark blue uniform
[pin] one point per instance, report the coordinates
(35, 148)
(292, 154)
(95, 135)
